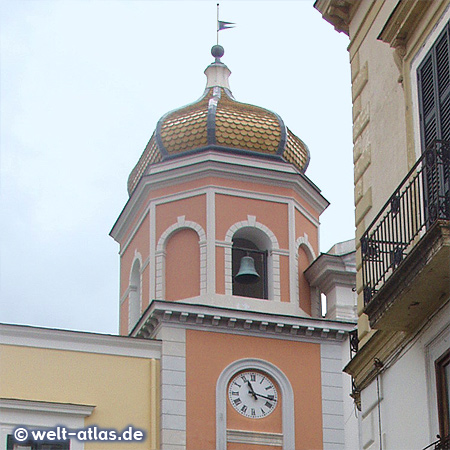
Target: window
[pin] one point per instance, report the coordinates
(443, 393)
(434, 91)
(245, 247)
(32, 445)
(433, 77)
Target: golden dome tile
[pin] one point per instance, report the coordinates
(216, 119)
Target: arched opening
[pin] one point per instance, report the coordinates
(254, 243)
(135, 294)
(304, 289)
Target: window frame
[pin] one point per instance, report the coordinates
(439, 97)
(33, 445)
(416, 62)
(443, 396)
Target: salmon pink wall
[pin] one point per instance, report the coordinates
(123, 313)
(284, 278)
(209, 353)
(182, 265)
(230, 209)
(302, 226)
(194, 208)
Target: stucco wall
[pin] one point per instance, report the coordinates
(123, 389)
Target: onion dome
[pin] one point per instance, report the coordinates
(218, 122)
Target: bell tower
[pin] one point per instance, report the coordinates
(220, 226)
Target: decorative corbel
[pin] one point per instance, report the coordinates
(399, 54)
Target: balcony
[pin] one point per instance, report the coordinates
(406, 249)
(441, 444)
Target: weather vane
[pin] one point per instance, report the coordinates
(222, 25)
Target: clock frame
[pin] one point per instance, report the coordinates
(253, 394)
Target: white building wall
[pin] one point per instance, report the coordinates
(405, 401)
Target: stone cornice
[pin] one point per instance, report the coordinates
(21, 405)
(78, 341)
(273, 172)
(337, 12)
(402, 22)
(374, 355)
(328, 270)
(237, 321)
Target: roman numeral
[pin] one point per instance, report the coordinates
(269, 405)
(253, 377)
(237, 401)
(234, 392)
(238, 385)
(270, 397)
(262, 379)
(244, 409)
(253, 411)
(268, 387)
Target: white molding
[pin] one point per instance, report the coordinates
(181, 224)
(331, 380)
(125, 295)
(241, 321)
(50, 338)
(153, 203)
(287, 403)
(211, 239)
(303, 241)
(196, 192)
(216, 164)
(173, 387)
(273, 260)
(268, 198)
(255, 437)
(132, 288)
(58, 408)
(35, 414)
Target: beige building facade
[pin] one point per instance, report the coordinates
(51, 378)
(399, 56)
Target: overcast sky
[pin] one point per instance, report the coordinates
(83, 84)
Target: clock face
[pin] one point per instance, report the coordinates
(252, 394)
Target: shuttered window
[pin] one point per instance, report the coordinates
(434, 92)
(434, 111)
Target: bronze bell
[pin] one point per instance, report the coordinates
(247, 273)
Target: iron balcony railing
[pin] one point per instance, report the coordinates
(440, 444)
(422, 198)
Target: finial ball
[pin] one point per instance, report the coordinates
(217, 51)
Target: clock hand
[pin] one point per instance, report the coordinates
(263, 396)
(251, 391)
